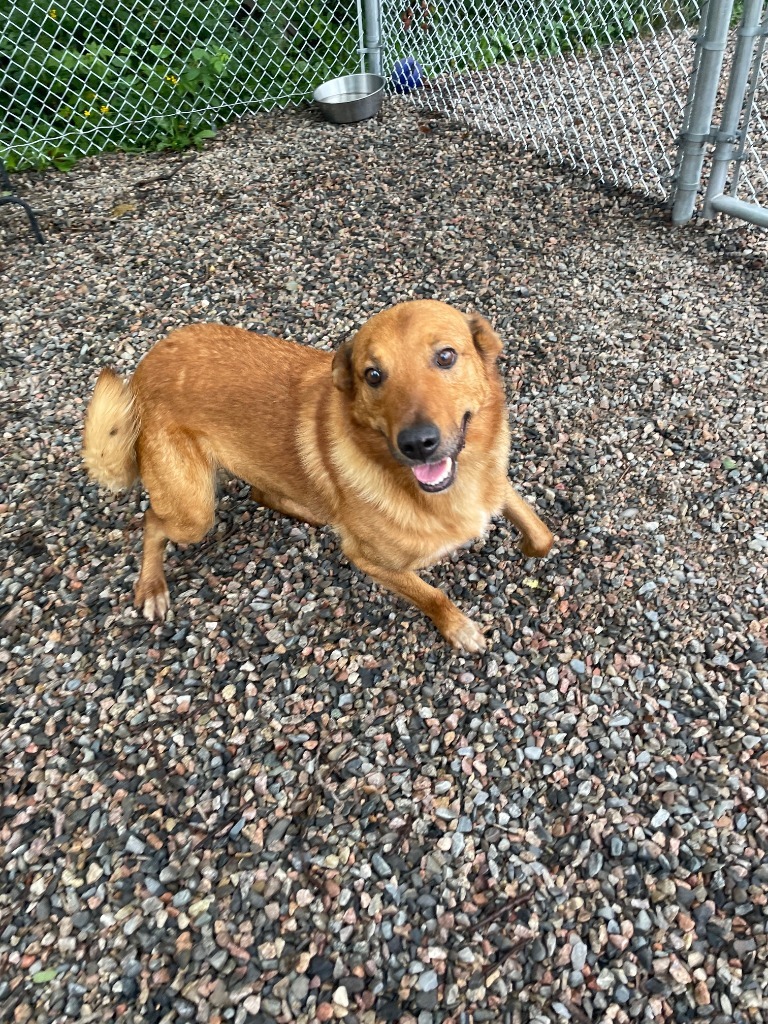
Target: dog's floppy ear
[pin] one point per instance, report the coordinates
(487, 342)
(342, 369)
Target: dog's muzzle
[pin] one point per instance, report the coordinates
(420, 447)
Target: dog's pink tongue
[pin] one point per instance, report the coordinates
(430, 473)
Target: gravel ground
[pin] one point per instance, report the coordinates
(291, 801)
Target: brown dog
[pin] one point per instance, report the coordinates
(399, 441)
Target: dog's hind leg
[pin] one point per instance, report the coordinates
(180, 481)
(537, 539)
(457, 629)
(151, 593)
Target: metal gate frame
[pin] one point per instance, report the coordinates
(730, 138)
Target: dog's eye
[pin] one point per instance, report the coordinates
(373, 377)
(445, 358)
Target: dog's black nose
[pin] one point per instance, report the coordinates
(419, 443)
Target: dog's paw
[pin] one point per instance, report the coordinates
(466, 636)
(536, 545)
(153, 599)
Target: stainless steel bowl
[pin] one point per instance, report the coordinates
(351, 98)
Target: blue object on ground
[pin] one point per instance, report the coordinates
(407, 75)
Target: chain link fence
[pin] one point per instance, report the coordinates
(82, 76)
(751, 174)
(598, 86)
(606, 86)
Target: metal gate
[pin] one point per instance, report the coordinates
(737, 182)
(600, 85)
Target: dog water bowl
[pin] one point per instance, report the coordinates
(351, 98)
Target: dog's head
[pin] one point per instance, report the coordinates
(416, 374)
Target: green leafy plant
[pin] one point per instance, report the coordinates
(79, 78)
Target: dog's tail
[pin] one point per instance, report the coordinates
(110, 433)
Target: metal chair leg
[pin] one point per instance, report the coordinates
(19, 202)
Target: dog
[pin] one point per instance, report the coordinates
(399, 441)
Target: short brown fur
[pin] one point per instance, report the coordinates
(316, 442)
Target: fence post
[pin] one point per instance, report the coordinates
(701, 103)
(372, 37)
(729, 136)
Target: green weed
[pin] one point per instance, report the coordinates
(78, 78)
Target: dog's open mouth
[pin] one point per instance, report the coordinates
(438, 476)
(435, 476)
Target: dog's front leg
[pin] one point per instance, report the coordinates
(537, 539)
(457, 629)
